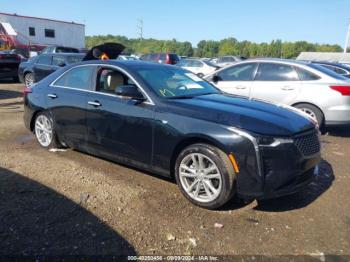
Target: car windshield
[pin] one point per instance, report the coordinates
(175, 82)
(74, 59)
(328, 72)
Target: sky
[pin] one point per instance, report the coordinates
(317, 21)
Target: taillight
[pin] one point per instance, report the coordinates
(344, 90)
(168, 60)
(27, 90)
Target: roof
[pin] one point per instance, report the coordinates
(40, 18)
(324, 56)
(288, 61)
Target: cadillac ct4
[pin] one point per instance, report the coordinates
(168, 121)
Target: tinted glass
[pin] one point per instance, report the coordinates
(243, 72)
(276, 72)
(174, 82)
(44, 60)
(79, 78)
(306, 75)
(71, 59)
(66, 50)
(328, 72)
(338, 70)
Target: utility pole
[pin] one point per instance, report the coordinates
(347, 40)
(140, 28)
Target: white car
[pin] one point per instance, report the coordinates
(317, 91)
(199, 67)
(228, 60)
(126, 57)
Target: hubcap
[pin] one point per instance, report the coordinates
(29, 80)
(43, 130)
(309, 112)
(200, 177)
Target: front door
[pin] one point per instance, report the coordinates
(118, 128)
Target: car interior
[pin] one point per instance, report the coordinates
(108, 80)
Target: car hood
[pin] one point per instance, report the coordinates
(255, 116)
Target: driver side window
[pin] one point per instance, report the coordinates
(109, 79)
(243, 72)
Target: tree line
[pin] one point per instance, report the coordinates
(210, 48)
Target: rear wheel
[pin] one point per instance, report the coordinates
(45, 132)
(313, 112)
(28, 79)
(205, 176)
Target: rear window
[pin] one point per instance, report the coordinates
(305, 75)
(328, 72)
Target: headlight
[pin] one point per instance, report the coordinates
(273, 142)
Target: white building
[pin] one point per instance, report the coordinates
(26, 30)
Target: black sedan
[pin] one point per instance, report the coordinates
(9, 65)
(39, 67)
(168, 121)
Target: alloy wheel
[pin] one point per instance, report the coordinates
(200, 177)
(43, 130)
(309, 112)
(29, 80)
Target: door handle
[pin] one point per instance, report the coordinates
(53, 96)
(287, 88)
(95, 103)
(241, 87)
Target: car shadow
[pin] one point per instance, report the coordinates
(340, 131)
(8, 94)
(38, 221)
(308, 195)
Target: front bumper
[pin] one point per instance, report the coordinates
(284, 170)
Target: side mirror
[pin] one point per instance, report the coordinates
(130, 91)
(216, 79)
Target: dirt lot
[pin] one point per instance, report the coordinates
(54, 203)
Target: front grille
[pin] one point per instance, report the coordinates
(308, 144)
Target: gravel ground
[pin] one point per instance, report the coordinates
(59, 203)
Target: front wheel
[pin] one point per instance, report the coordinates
(45, 132)
(205, 176)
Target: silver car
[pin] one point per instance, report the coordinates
(315, 90)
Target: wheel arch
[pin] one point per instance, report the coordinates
(311, 104)
(32, 121)
(190, 140)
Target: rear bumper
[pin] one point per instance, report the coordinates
(338, 114)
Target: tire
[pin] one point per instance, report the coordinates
(313, 111)
(44, 130)
(29, 79)
(197, 192)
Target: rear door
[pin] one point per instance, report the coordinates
(237, 79)
(67, 101)
(276, 82)
(43, 67)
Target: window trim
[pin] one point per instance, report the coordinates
(149, 100)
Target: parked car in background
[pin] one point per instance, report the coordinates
(224, 61)
(319, 92)
(200, 67)
(59, 49)
(9, 63)
(127, 57)
(338, 68)
(38, 67)
(168, 121)
(162, 58)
